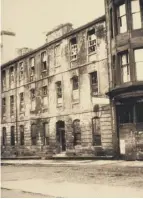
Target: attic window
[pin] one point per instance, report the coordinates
(92, 41)
(74, 49)
(44, 61)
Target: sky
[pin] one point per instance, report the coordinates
(32, 19)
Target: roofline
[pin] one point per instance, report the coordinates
(74, 31)
(58, 27)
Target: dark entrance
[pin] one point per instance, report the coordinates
(60, 135)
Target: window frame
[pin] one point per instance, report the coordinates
(33, 138)
(94, 85)
(73, 49)
(22, 141)
(3, 106)
(123, 66)
(46, 139)
(44, 63)
(11, 104)
(77, 135)
(119, 17)
(4, 137)
(97, 139)
(12, 133)
(136, 63)
(133, 13)
(21, 70)
(59, 90)
(92, 43)
(11, 72)
(21, 101)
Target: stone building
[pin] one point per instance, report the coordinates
(54, 97)
(124, 22)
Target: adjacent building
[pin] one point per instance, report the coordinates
(54, 97)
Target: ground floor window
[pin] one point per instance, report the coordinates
(12, 135)
(46, 133)
(77, 132)
(139, 112)
(4, 136)
(96, 131)
(21, 135)
(33, 134)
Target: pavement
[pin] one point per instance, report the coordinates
(120, 163)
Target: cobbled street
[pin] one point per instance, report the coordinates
(109, 180)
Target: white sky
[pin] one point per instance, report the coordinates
(31, 19)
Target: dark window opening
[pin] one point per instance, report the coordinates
(139, 112)
(59, 89)
(12, 136)
(111, 22)
(74, 48)
(21, 101)
(96, 131)
(11, 74)
(32, 91)
(3, 78)
(114, 70)
(44, 90)
(75, 83)
(125, 114)
(44, 61)
(12, 104)
(33, 134)
(77, 132)
(3, 106)
(21, 135)
(4, 136)
(94, 83)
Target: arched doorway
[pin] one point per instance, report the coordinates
(60, 135)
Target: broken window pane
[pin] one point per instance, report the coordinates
(92, 41)
(74, 49)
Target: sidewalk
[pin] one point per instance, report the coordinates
(73, 190)
(121, 163)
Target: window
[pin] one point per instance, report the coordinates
(114, 70)
(3, 78)
(46, 133)
(139, 112)
(32, 68)
(75, 83)
(94, 83)
(59, 89)
(11, 104)
(11, 74)
(21, 135)
(125, 113)
(77, 132)
(33, 134)
(12, 136)
(21, 67)
(136, 14)
(44, 61)
(74, 49)
(4, 136)
(121, 19)
(57, 55)
(124, 65)
(96, 131)
(3, 106)
(139, 64)
(32, 92)
(21, 102)
(92, 41)
(44, 90)
(111, 23)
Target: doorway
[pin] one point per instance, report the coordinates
(60, 136)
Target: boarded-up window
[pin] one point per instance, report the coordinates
(21, 135)
(136, 14)
(121, 19)
(46, 133)
(12, 135)
(96, 131)
(74, 49)
(92, 45)
(4, 136)
(77, 132)
(124, 65)
(33, 134)
(11, 104)
(139, 64)
(94, 83)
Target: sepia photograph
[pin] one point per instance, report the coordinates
(71, 98)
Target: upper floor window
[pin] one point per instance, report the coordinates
(138, 53)
(3, 78)
(3, 136)
(11, 74)
(94, 83)
(21, 68)
(59, 92)
(44, 90)
(32, 67)
(111, 22)
(32, 93)
(11, 104)
(136, 14)
(57, 54)
(74, 48)
(3, 106)
(124, 66)
(121, 18)
(92, 41)
(44, 61)
(21, 102)
(75, 83)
